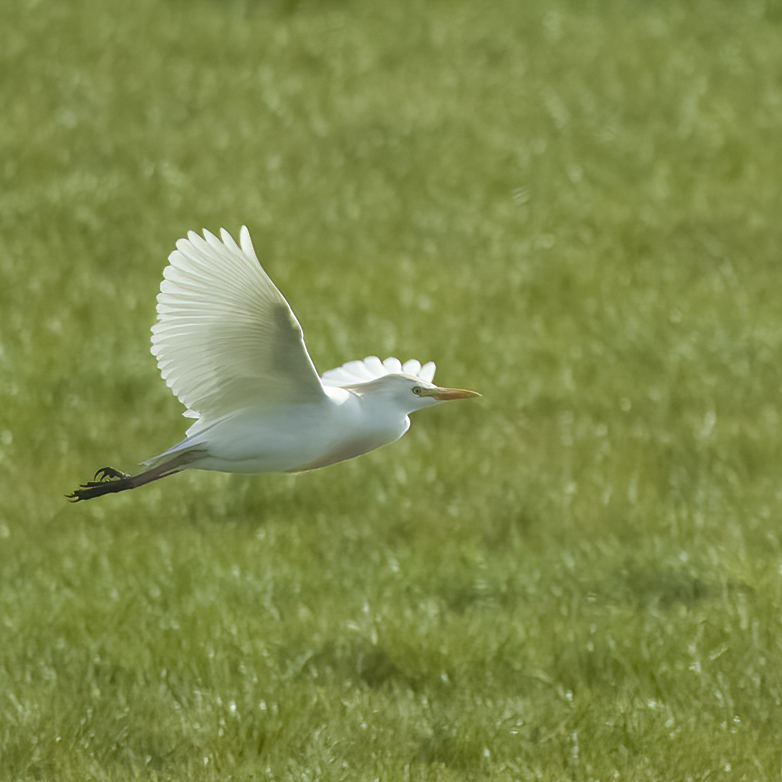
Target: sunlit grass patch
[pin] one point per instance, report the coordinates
(572, 209)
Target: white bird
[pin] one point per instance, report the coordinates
(230, 348)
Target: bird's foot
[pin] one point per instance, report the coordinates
(106, 481)
(109, 474)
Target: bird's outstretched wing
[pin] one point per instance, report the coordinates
(225, 338)
(355, 372)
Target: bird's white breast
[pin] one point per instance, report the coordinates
(294, 438)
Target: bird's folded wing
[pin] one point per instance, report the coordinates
(225, 338)
(356, 372)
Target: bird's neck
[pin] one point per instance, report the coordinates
(380, 411)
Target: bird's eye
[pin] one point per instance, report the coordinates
(417, 390)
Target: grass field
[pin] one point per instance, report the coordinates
(573, 208)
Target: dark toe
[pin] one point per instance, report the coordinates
(109, 474)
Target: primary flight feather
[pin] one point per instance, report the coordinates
(230, 348)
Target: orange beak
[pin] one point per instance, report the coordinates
(446, 394)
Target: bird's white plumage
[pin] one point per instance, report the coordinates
(230, 348)
(225, 338)
(371, 368)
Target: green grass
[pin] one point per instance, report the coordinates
(573, 208)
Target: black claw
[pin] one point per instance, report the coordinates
(106, 474)
(107, 480)
(110, 481)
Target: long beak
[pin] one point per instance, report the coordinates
(446, 394)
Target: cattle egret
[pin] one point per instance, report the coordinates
(230, 348)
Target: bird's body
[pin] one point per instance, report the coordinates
(340, 427)
(232, 351)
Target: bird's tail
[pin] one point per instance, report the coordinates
(108, 480)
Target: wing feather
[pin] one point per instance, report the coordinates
(412, 367)
(225, 338)
(372, 367)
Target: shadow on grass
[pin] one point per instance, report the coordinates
(665, 586)
(460, 597)
(355, 662)
(268, 8)
(444, 747)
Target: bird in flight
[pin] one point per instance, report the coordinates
(230, 348)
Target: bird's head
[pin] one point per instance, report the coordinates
(410, 393)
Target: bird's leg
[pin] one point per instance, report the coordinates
(107, 480)
(109, 473)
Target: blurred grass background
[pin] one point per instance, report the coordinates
(573, 208)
